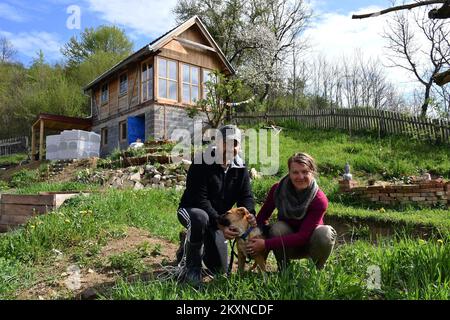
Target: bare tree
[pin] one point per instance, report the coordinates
(406, 52)
(7, 51)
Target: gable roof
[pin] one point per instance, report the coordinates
(160, 42)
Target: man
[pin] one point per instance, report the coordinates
(211, 190)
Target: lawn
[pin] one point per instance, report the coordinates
(411, 268)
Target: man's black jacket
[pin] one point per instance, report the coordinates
(209, 188)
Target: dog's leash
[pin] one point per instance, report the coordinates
(233, 253)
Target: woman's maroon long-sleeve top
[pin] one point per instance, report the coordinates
(303, 229)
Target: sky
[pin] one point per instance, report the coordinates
(49, 24)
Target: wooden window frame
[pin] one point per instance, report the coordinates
(149, 78)
(168, 80)
(104, 136)
(203, 93)
(121, 131)
(191, 85)
(121, 94)
(103, 102)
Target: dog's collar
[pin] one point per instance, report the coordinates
(246, 233)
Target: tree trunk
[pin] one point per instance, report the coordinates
(426, 101)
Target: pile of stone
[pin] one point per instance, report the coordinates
(140, 177)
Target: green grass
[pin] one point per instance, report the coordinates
(13, 159)
(56, 186)
(436, 218)
(410, 269)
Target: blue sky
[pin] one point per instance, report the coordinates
(34, 25)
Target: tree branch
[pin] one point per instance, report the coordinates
(397, 8)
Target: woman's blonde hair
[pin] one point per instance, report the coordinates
(303, 158)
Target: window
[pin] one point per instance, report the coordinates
(147, 81)
(191, 83)
(167, 79)
(105, 93)
(206, 77)
(123, 130)
(104, 136)
(123, 87)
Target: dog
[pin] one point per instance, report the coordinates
(237, 219)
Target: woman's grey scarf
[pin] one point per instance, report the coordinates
(291, 203)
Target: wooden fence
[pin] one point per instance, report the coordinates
(13, 145)
(354, 120)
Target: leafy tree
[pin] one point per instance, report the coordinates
(220, 91)
(109, 39)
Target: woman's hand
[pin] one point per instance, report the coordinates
(256, 246)
(251, 220)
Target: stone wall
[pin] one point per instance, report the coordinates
(429, 193)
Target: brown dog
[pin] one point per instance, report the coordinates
(236, 218)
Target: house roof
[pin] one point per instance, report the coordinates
(58, 122)
(158, 43)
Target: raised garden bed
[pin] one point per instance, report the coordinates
(17, 209)
(427, 193)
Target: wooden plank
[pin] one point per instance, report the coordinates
(14, 219)
(28, 199)
(24, 210)
(41, 140)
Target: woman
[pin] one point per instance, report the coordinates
(299, 232)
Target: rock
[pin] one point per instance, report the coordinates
(119, 173)
(168, 183)
(154, 186)
(149, 168)
(179, 188)
(161, 186)
(164, 178)
(186, 164)
(136, 177)
(138, 186)
(156, 179)
(117, 182)
(254, 174)
(141, 170)
(128, 184)
(181, 177)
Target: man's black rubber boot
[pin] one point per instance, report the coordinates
(180, 251)
(193, 272)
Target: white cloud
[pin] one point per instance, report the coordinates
(9, 12)
(29, 43)
(150, 18)
(335, 35)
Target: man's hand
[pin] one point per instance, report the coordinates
(252, 220)
(228, 233)
(256, 246)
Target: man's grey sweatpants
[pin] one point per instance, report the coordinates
(196, 221)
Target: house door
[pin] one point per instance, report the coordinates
(136, 128)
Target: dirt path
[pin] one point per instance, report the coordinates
(65, 280)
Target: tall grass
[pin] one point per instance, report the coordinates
(409, 270)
